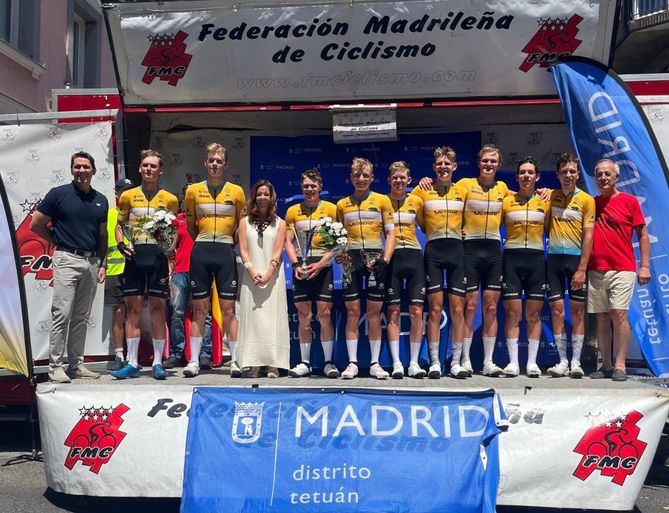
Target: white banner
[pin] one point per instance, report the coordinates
(205, 52)
(35, 158)
(13, 354)
(360, 126)
(561, 450)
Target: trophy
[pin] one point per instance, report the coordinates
(304, 239)
(371, 256)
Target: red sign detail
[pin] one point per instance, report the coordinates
(612, 448)
(555, 39)
(34, 251)
(95, 437)
(166, 58)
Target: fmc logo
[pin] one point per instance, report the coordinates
(555, 39)
(166, 58)
(95, 437)
(612, 448)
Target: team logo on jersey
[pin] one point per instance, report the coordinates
(612, 448)
(247, 423)
(166, 58)
(555, 39)
(95, 437)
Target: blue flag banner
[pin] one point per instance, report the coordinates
(278, 450)
(605, 121)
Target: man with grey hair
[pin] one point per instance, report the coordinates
(612, 267)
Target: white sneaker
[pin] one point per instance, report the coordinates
(533, 370)
(467, 365)
(301, 370)
(398, 370)
(434, 372)
(416, 371)
(492, 370)
(458, 371)
(376, 371)
(351, 371)
(511, 370)
(191, 370)
(560, 370)
(576, 371)
(235, 370)
(330, 371)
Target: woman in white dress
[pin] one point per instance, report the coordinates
(264, 337)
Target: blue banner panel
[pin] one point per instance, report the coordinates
(278, 450)
(605, 121)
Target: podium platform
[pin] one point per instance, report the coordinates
(569, 443)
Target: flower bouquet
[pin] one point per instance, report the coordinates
(334, 237)
(163, 228)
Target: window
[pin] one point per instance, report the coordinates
(18, 23)
(78, 51)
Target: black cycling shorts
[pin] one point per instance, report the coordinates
(483, 261)
(406, 264)
(146, 273)
(360, 273)
(524, 271)
(445, 255)
(211, 261)
(559, 271)
(317, 289)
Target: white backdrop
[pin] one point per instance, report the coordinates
(35, 158)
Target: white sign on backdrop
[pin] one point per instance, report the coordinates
(360, 126)
(561, 450)
(205, 52)
(36, 158)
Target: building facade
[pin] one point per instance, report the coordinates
(50, 44)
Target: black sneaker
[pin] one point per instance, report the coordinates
(618, 375)
(116, 365)
(602, 373)
(205, 362)
(172, 362)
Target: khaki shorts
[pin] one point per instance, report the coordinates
(610, 290)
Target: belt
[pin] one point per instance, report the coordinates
(78, 252)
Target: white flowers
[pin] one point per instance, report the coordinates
(333, 233)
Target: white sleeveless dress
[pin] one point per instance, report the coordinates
(263, 338)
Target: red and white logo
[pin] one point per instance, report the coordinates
(34, 251)
(612, 448)
(555, 39)
(95, 437)
(166, 58)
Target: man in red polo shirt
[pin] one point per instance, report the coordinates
(612, 267)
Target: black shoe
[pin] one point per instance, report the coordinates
(602, 373)
(171, 362)
(205, 362)
(618, 375)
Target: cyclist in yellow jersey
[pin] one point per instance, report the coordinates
(483, 253)
(314, 283)
(524, 266)
(405, 265)
(146, 270)
(367, 216)
(213, 210)
(443, 204)
(571, 224)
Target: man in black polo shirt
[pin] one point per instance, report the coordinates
(78, 215)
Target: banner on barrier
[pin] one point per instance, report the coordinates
(551, 456)
(186, 52)
(35, 158)
(339, 450)
(606, 121)
(15, 351)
